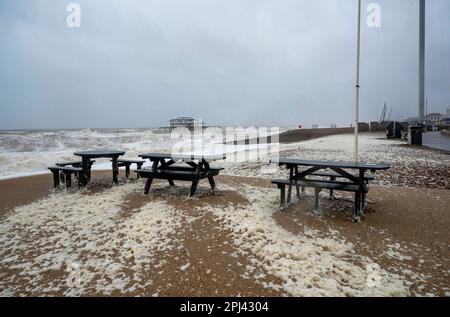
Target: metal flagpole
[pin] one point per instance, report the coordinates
(358, 50)
(422, 61)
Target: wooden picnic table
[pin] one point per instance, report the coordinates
(195, 168)
(355, 182)
(87, 156)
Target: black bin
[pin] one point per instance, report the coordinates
(415, 135)
(394, 130)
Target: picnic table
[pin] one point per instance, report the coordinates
(340, 178)
(193, 168)
(87, 156)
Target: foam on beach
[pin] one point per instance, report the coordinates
(83, 243)
(100, 249)
(307, 264)
(410, 166)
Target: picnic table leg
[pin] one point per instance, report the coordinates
(89, 171)
(78, 180)
(299, 196)
(296, 185)
(193, 187)
(197, 178)
(61, 178)
(291, 181)
(56, 178)
(212, 183)
(84, 175)
(148, 183)
(139, 166)
(68, 180)
(356, 214)
(316, 199)
(332, 178)
(127, 171)
(363, 202)
(115, 170)
(361, 191)
(282, 197)
(166, 164)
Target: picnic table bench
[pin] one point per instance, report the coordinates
(67, 171)
(332, 176)
(357, 183)
(194, 169)
(127, 164)
(76, 164)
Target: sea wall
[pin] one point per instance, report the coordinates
(299, 135)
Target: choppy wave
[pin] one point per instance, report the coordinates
(30, 152)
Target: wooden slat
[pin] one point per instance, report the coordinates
(331, 174)
(325, 164)
(130, 161)
(66, 168)
(321, 184)
(188, 157)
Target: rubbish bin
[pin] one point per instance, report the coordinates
(394, 130)
(415, 135)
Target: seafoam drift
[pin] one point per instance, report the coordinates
(79, 244)
(307, 264)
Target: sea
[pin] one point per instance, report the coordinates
(29, 152)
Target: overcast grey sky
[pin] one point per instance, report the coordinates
(139, 63)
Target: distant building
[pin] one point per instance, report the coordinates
(185, 122)
(434, 118)
(446, 119)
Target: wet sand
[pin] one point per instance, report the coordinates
(399, 220)
(20, 191)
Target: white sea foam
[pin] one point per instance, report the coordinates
(307, 264)
(100, 249)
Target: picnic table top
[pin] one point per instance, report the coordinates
(186, 156)
(130, 161)
(100, 153)
(325, 164)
